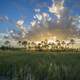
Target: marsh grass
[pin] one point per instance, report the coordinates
(20, 64)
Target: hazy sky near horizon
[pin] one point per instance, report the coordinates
(14, 9)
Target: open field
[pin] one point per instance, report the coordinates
(20, 64)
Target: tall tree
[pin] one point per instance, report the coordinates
(72, 42)
(7, 43)
(24, 43)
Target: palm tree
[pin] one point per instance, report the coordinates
(7, 43)
(72, 41)
(19, 43)
(53, 45)
(42, 44)
(46, 44)
(24, 43)
(29, 45)
(63, 44)
(33, 45)
(58, 43)
(68, 44)
(39, 46)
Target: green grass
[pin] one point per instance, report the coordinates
(19, 64)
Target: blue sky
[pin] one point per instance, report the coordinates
(14, 9)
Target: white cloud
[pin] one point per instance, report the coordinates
(45, 15)
(4, 19)
(33, 23)
(76, 21)
(20, 22)
(57, 7)
(37, 10)
(39, 17)
(20, 25)
(49, 19)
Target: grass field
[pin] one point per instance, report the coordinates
(30, 65)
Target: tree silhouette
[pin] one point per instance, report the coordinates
(19, 43)
(7, 43)
(58, 44)
(24, 43)
(63, 44)
(72, 42)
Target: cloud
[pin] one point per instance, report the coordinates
(45, 14)
(38, 16)
(57, 7)
(76, 21)
(4, 19)
(37, 10)
(20, 22)
(20, 25)
(33, 23)
(43, 23)
(39, 19)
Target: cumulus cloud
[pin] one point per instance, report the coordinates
(20, 25)
(62, 24)
(20, 22)
(40, 19)
(43, 24)
(4, 19)
(76, 21)
(38, 16)
(33, 23)
(37, 10)
(57, 8)
(45, 15)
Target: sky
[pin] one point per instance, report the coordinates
(16, 9)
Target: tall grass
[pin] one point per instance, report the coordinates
(23, 65)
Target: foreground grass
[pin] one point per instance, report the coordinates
(31, 65)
